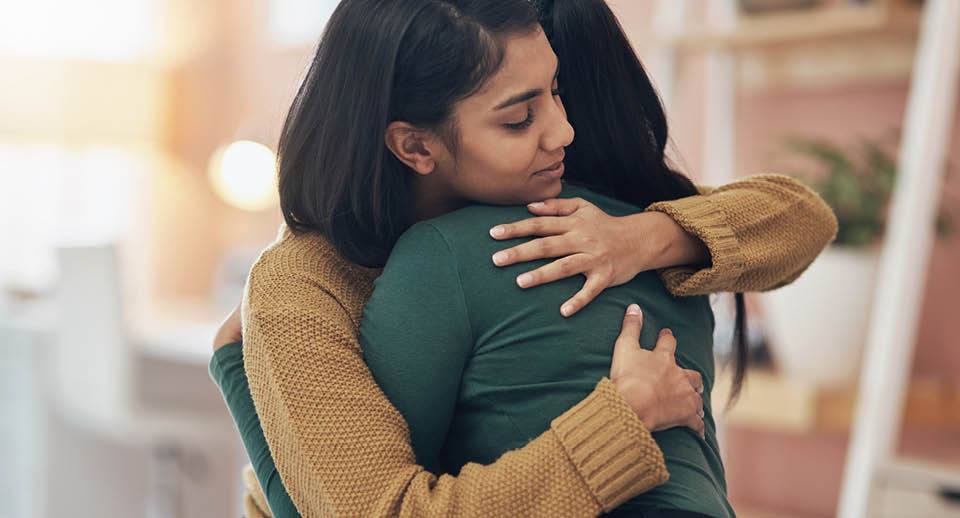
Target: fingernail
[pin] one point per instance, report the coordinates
(537, 205)
(633, 309)
(700, 389)
(667, 330)
(500, 258)
(566, 310)
(497, 231)
(524, 280)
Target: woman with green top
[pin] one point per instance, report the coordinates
(458, 365)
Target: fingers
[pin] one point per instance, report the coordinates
(630, 330)
(696, 424)
(627, 345)
(544, 226)
(700, 414)
(230, 331)
(542, 248)
(695, 421)
(594, 285)
(666, 342)
(559, 269)
(555, 207)
(696, 381)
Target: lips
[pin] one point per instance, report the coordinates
(552, 168)
(553, 172)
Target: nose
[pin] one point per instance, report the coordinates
(558, 133)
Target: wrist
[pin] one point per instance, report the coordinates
(645, 241)
(639, 397)
(675, 246)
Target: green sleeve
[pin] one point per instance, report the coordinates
(226, 369)
(416, 337)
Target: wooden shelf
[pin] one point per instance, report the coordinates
(773, 402)
(793, 27)
(819, 47)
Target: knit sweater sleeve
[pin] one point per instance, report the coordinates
(342, 450)
(762, 232)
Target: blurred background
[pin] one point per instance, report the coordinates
(137, 184)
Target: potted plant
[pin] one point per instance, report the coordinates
(817, 326)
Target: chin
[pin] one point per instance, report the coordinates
(540, 193)
(524, 195)
(552, 190)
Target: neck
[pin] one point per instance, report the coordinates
(431, 200)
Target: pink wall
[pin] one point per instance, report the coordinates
(841, 114)
(800, 474)
(844, 115)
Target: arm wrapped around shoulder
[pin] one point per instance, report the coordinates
(762, 232)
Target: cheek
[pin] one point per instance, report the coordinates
(504, 157)
(495, 167)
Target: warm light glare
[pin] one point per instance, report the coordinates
(107, 30)
(244, 175)
(298, 22)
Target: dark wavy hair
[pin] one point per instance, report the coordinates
(380, 61)
(621, 126)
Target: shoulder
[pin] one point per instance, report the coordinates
(304, 272)
(608, 204)
(424, 249)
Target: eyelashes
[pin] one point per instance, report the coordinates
(526, 123)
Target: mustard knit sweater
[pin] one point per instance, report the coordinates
(342, 450)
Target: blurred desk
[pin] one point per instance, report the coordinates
(180, 331)
(784, 446)
(772, 401)
(177, 331)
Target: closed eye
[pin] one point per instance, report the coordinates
(524, 124)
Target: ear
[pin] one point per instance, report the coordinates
(412, 146)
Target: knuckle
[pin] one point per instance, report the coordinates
(590, 292)
(546, 247)
(565, 267)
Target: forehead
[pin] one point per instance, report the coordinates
(528, 62)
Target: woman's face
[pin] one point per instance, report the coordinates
(512, 132)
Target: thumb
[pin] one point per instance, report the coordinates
(555, 207)
(628, 343)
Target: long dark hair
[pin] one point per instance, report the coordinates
(380, 61)
(620, 123)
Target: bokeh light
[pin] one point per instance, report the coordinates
(244, 175)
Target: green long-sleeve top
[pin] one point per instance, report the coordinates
(762, 232)
(478, 366)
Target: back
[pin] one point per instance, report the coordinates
(516, 362)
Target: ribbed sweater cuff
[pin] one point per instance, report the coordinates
(703, 217)
(610, 447)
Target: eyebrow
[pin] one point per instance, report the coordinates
(525, 96)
